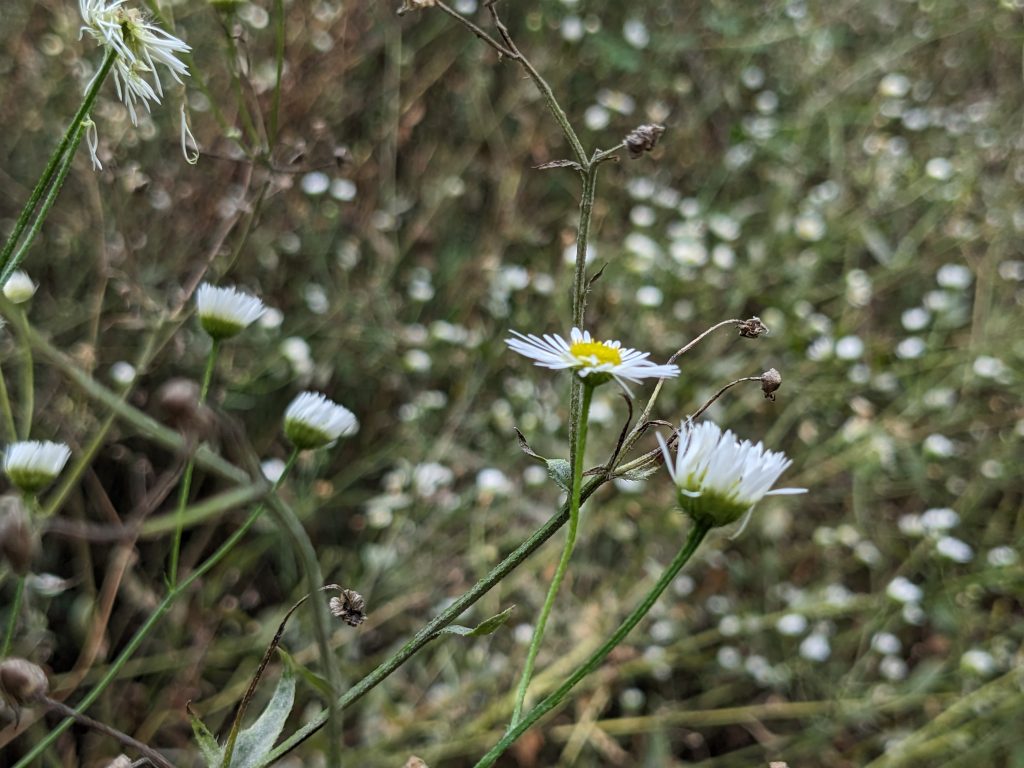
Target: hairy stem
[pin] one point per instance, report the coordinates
(10, 432)
(12, 618)
(563, 564)
(697, 534)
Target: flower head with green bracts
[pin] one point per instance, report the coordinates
(595, 362)
(32, 465)
(719, 478)
(226, 312)
(313, 421)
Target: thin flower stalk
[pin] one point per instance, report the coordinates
(563, 562)
(62, 153)
(693, 540)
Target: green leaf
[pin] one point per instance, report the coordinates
(561, 472)
(639, 474)
(213, 753)
(311, 678)
(258, 739)
(486, 627)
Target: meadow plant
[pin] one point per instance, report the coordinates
(718, 478)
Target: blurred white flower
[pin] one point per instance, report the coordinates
(491, 481)
(588, 357)
(954, 549)
(226, 312)
(815, 647)
(313, 421)
(903, 590)
(32, 465)
(19, 287)
(718, 478)
(979, 662)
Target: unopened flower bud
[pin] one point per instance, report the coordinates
(643, 139)
(753, 328)
(17, 540)
(19, 287)
(22, 682)
(350, 607)
(771, 380)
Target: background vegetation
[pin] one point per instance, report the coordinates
(851, 172)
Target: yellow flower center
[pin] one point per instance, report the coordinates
(589, 351)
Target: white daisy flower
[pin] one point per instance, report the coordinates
(226, 312)
(718, 478)
(32, 465)
(313, 421)
(19, 287)
(140, 47)
(588, 357)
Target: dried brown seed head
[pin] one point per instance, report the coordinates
(350, 607)
(753, 328)
(22, 682)
(415, 5)
(771, 380)
(643, 138)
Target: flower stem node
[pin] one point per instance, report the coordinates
(719, 478)
(593, 361)
(19, 287)
(226, 312)
(313, 421)
(32, 465)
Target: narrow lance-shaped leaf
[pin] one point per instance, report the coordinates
(258, 739)
(486, 627)
(213, 753)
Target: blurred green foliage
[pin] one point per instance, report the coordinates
(850, 172)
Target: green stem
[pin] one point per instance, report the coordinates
(430, 631)
(165, 605)
(697, 534)
(563, 563)
(10, 433)
(579, 284)
(186, 478)
(73, 133)
(12, 619)
(275, 111)
(27, 374)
